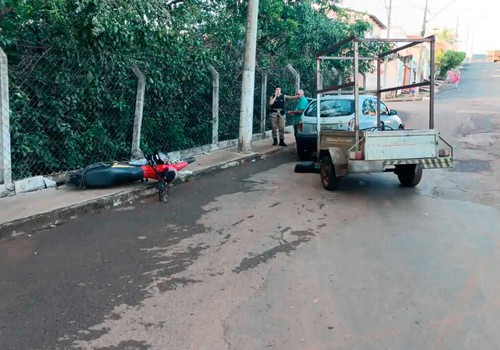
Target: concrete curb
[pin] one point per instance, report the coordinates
(53, 218)
(57, 217)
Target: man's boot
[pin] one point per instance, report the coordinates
(282, 142)
(275, 143)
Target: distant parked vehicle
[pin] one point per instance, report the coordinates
(337, 113)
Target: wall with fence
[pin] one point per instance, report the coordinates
(57, 115)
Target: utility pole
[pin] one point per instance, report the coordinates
(472, 47)
(248, 80)
(467, 42)
(422, 33)
(389, 13)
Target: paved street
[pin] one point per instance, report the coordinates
(259, 257)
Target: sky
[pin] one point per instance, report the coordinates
(477, 20)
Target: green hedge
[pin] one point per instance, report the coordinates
(72, 88)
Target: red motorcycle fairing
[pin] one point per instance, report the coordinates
(151, 172)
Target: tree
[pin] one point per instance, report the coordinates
(446, 36)
(450, 60)
(438, 60)
(445, 39)
(71, 62)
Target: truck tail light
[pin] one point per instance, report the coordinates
(356, 155)
(444, 152)
(300, 126)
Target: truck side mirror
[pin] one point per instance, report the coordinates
(393, 112)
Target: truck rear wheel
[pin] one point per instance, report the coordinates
(409, 175)
(327, 172)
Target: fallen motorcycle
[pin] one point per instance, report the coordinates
(155, 166)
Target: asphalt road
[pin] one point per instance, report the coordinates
(258, 257)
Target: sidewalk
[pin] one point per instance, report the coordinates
(34, 211)
(423, 94)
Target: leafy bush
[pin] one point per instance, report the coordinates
(450, 60)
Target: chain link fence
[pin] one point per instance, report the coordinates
(177, 119)
(66, 114)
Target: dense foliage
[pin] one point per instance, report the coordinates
(73, 88)
(450, 60)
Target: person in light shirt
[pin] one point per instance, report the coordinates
(299, 109)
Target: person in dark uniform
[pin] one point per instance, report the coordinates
(277, 115)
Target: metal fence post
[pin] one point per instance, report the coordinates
(263, 99)
(215, 104)
(5, 156)
(139, 108)
(296, 75)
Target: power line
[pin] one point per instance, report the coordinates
(444, 8)
(386, 8)
(412, 3)
(408, 7)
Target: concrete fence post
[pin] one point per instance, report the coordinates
(215, 103)
(296, 75)
(139, 108)
(248, 79)
(263, 99)
(5, 155)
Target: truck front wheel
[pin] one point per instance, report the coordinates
(409, 175)
(328, 178)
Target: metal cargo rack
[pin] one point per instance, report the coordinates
(404, 152)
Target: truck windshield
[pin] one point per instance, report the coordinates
(331, 108)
